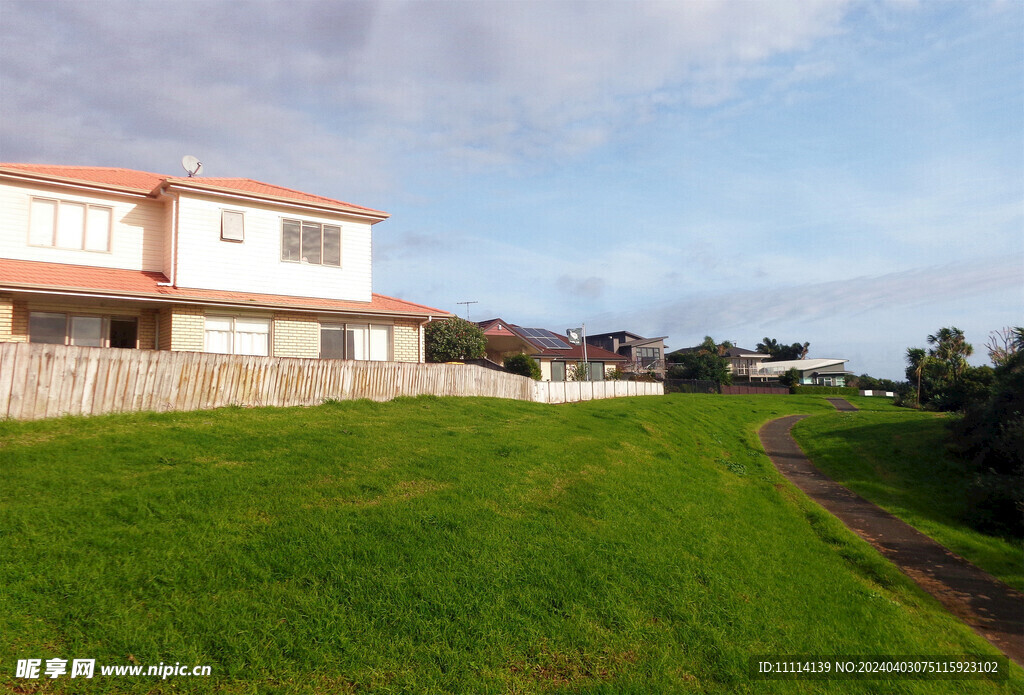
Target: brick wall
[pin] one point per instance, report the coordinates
(187, 329)
(163, 321)
(408, 343)
(147, 329)
(296, 335)
(14, 315)
(13, 320)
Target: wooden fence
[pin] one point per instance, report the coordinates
(737, 390)
(39, 381)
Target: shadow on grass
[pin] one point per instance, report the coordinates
(901, 462)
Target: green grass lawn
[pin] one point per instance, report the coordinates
(641, 545)
(897, 458)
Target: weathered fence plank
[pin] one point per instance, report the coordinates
(39, 381)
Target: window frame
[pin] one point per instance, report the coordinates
(69, 321)
(241, 225)
(55, 229)
(234, 332)
(322, 229)
(344, 327)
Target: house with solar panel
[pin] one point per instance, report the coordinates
(643, 355)
(557, 357)
(118, 258)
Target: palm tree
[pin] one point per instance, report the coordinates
(952, 348)
(917, 358)
(770, 346)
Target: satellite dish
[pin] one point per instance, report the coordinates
(192, 165)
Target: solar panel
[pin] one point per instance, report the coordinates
(545, 339)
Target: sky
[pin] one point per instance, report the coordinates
(849, 174)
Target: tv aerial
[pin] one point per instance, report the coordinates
(192, 165)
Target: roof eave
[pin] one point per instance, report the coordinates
(94, 293)
(367, 213)
(35, 177)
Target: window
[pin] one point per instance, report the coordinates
(232, 225)
(596, 371)
(558, 371)
(47, 328)
(358, 341)
(234, 335)
(65, 225)
(310, 242)
(648, 357)
(83, 331)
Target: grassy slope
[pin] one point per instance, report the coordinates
(428, 545)
(897, 458)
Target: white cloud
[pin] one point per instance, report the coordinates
(484, 82)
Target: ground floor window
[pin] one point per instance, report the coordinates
(595, 371)
(83, 331)
(237, 335)
(356, 341)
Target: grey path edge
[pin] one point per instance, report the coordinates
(991, 608)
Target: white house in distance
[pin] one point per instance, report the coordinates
(817, 372)
(107, 257)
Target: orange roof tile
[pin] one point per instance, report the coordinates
(147, 183)
(141, 181)
(80, 279)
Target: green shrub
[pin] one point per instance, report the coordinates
(524, 365)
(825, 390)
(453, 340)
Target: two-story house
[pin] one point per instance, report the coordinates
(642, 354)
(107, 257)
(555, 355)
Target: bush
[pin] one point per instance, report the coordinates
(453, 340)
(824, 390)
(523, 365)
(990, 439)
(791, 378)
(616, 374)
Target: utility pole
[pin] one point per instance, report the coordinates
(467, 307)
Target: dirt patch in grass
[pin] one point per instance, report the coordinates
(404, 491)
(556, 669)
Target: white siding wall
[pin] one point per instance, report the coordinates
(255, 265)
(136, 236)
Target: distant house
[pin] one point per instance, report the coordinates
(556, 356)
(816, 372)
(102, 257)
(642, 354)
(750, 365)
(742, 362)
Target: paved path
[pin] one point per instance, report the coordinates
(842, 404)
(991, 608)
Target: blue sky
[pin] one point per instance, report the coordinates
(845, 173)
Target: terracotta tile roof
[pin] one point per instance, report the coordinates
(140, 181)
(147, 183)
(80, 279)
(575, 353)
(571, 352)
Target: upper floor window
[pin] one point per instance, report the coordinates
(310, 242)
(66, 225)
(232, 225)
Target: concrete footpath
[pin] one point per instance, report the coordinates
(994, 610)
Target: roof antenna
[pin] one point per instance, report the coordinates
(467, 307)
(192, 165)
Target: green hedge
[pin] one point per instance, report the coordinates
(825, 390)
